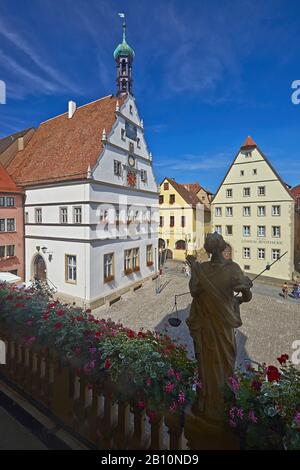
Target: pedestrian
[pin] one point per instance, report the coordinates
(296, 290)
(285, 290)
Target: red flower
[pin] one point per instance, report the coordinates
(273, 374)
(98, 334)
(141, 404)
(58, 325)
(19, 305)
(130, 334)
(88, 310)
(9, 297)
(107, 363)
(60, 312)
(283, 358)
(79, 318)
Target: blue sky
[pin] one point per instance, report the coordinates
(207, 73)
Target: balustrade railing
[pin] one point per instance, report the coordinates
(86, 409)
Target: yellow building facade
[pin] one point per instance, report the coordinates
(254, 210)
(184, 218)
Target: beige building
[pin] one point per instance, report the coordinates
(255, 212)
(296, 194)
(185, 217)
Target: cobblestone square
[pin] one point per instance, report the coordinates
(270, 323)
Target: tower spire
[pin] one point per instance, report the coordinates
(124, 56)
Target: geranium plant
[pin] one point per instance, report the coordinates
(145, 368)
(263, 406)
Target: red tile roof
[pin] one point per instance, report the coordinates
(62, 148)
(296, 191)
(7, 185)
(249, 143)
(193, 187)
(189, 196)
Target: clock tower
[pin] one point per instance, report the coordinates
(124, 56)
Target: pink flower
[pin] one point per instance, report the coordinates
(60, 312)
(170, 372)
(252, 416)
(240, 413)
(151, 415)
(297, 418)
(178, 376)
(169, 387)
(234, 384)
(149, 382)
(181, 398)
(141, 404)
(107, 363)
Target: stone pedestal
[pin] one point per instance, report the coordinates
(204, 434)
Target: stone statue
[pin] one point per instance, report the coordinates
(214, 314)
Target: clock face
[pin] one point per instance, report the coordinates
(131, 160)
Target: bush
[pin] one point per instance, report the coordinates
(146, 368)
(263, 406)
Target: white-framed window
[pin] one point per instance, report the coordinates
(108, 261)
(261, 253)
(246, 230)
(135, 258)
(38, 215)
(26, 217)
(127, 261)
(138, 143)
(246, 253)
(11, 225)
(2, 225)
(229, 211)
(229, 192)
(276, 210)
(218, 211)
(2, 201)
(276, 231)
(261, 211)
(149, 255)
(144, 176)
(63, 215)
(275, 254)
(261, 230)
(218, 229)
(77, 215)
(229, 230)
(71, 268)
(247, 211)
(247, 192)
(117, 168)
(261, 190)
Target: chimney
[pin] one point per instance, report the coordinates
(72, 109)
(20, 144)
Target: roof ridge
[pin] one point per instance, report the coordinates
(78, 107)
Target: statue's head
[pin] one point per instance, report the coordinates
(214, 243)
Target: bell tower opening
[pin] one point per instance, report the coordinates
(124, 56)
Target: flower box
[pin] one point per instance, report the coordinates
(136, 269)
(149, 264)
(128, 271)
(109, 278)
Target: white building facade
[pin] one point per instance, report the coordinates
(91, 208)
(255, 212)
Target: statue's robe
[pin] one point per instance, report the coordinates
(213, 317)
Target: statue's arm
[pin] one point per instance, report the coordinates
(242, 285)
(194, 284)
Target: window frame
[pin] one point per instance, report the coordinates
(74, 268)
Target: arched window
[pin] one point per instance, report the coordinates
(123, 67)
(180, 245)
